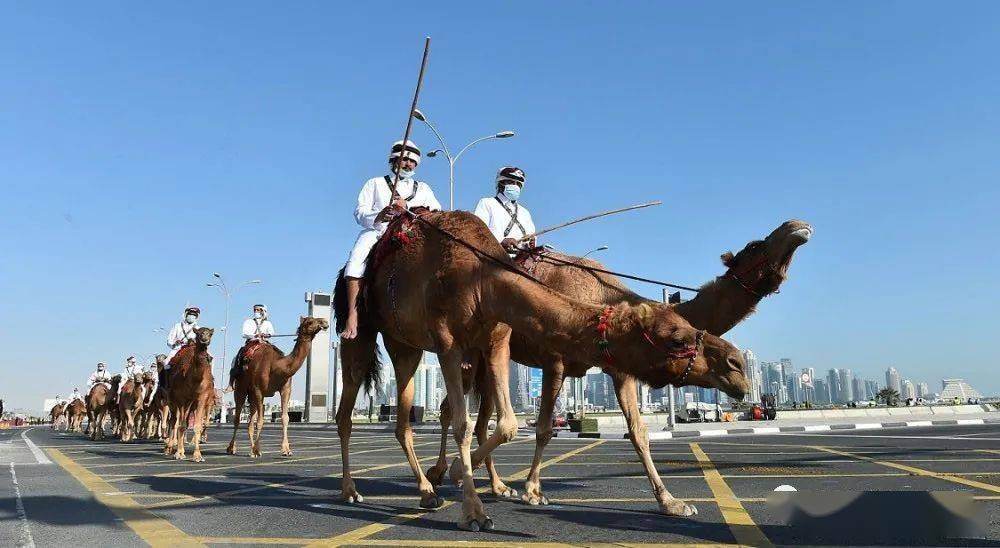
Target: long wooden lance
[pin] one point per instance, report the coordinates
(409, 116)
(587, 218)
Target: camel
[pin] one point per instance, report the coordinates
(130, 405)
(100, 400)
(756, 271)
(190, 389)
(75, 411)
(55, 414)
(434, 293)
(268, 371)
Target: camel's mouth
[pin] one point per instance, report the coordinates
(802, 235)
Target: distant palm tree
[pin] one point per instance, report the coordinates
(889, 396)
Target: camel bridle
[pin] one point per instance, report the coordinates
(690, 352)
(739, 275)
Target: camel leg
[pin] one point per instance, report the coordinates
(199, 425)
(474, 516)
(352, 384)
(552, 382)
(405, 360)
(286, 394)
(183, 415)
(239, 396)
(259, 413)
(496, 373)
(435, 474)
(499, 488)
(625, 389)
(251, 423)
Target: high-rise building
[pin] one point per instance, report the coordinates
(793, 386)
(909, 391)
(922, 390)
(753, 373)
(858, 389)
(871, 388)
(519, 378)
(846, 385)
(893, 380)
(833, 381)
(808, 381)
(600, 391)
(425, 383)
(822, 391)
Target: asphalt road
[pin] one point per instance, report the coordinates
(109, 494)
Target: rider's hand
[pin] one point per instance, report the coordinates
(399, 203)
(510, 244)
(385, 215)
(532, 243)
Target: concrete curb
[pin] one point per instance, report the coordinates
(757, 430)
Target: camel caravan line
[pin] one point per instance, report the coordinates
(443, 282)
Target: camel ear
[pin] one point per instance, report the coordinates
(727, 259)
(302, 319)
(644, 314)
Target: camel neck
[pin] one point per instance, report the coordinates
(567, 327)
(719, 306)
(300, 351)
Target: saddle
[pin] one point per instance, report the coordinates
(189, 347)
(398, 234)
(528, 259)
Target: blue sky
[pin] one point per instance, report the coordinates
(143, 148)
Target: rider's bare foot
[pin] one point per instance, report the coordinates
(350, 327)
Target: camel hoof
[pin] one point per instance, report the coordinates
(231, 449)
(197, 458)
(505, 492)
(678, 508)
(286, 453)
(535, 500)
(431, 502)
(435, 475)
(355, 498)
(475, 525)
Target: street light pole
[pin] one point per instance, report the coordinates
(227, 295)
(452, 160)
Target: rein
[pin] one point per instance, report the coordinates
(619, 274)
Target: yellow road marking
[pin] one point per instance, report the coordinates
(255, 540)
(186, 499)
(523, 474)
(744, 530)
(502, 544)
(151, 528)
(358, 535)
(919, 471)
(993, 451)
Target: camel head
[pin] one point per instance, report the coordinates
(762, 266)
(203, 335)
(309, 326)
(685, 356)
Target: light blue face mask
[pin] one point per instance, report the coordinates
(191, 318)
(512, 192)
(257, 315)
(406, 173)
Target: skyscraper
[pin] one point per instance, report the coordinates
(519, 378)
(859, 388)
(846, 385)
(833, 381)
(871, 388)
(893, 380)
(754, 375)
(909, 391)
(822, 391)
(922, 390)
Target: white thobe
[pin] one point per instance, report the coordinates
(252, 328)
(374, 197)
(96, 377)
(181, 334)
(497, 216)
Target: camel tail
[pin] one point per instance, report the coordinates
(373, 373)
(340, 301)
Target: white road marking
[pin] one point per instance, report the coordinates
(38, 453)
(26, 539)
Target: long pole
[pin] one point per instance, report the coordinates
(409, 115)
(589, 217)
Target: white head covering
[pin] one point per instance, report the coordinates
(411, 151)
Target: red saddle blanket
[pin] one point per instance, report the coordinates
(398, 234)
(528, 259)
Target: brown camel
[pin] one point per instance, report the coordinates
(130, 405)
(267, 371)
(75, 411)
(100, 400)
(56, 413)
(434, 293)
(190, 390)
(756, 271)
